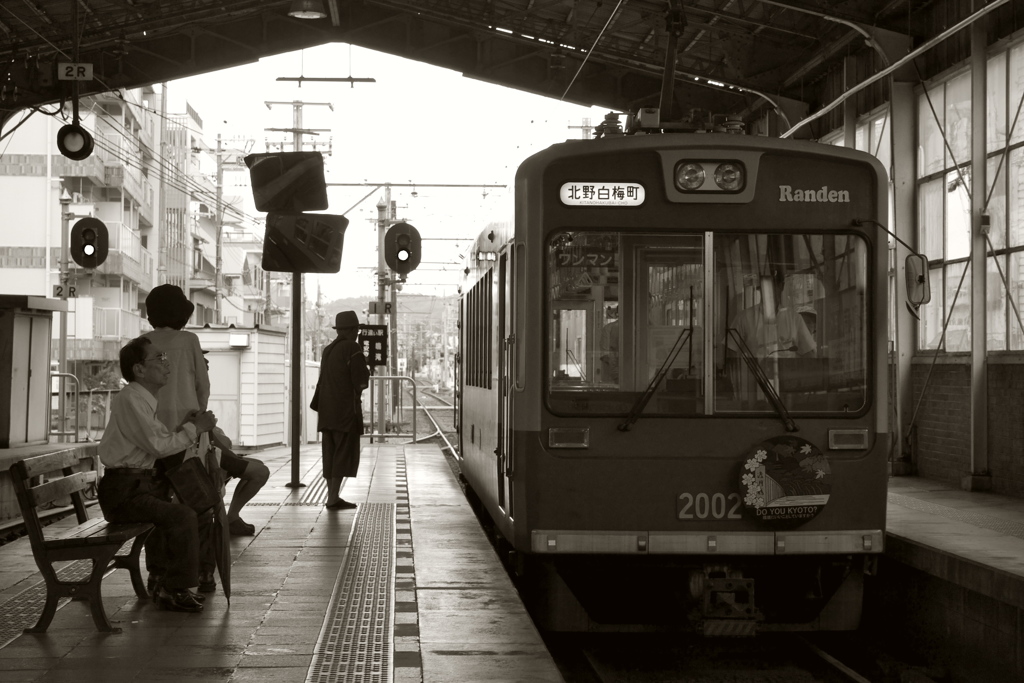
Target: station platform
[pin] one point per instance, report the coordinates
(971, 539)
(407, 588)
(404, 588)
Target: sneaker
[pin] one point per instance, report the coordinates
(340, 504)
(207, 584)
(177, 601)
(237, 527)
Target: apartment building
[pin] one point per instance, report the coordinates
(152, 180)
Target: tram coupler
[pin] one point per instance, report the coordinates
(728, 608)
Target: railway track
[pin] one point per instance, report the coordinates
(679, 657)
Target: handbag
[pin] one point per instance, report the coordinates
(193, 485)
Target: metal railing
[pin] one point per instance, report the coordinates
(378, 418)
(62, 416)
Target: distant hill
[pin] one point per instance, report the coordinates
(428, 309)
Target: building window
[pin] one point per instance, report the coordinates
(944, 190)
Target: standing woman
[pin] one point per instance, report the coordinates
(189, 387)
(338, 402)
(187, 392)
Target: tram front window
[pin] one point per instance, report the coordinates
(627, 329)
(791, 318)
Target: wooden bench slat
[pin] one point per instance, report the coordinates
(42, 464)
(115, 534)
(55, 489)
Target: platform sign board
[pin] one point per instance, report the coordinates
(74, 71)
(374, 339)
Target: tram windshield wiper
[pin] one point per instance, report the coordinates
(645, 398)
(762, 380)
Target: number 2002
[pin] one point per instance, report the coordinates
(705, 506)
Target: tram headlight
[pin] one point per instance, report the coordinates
(690, 176)
(730, 177)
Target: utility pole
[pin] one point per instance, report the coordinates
(219, 217)
(383, 211)
(62, 353)
(586, 130)
(298, 345)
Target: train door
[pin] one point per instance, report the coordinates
(505, 369)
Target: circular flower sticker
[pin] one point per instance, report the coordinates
(787, 479)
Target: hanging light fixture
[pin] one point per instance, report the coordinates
(307, 9)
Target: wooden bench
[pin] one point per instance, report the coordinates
(92, 539)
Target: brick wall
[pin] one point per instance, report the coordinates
(1006, 427)
(943, 434)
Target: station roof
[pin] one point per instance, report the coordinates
(732, 57)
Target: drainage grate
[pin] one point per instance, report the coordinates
(22, 610)
(355, 643)
(983, 521)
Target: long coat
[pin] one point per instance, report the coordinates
(343, 376)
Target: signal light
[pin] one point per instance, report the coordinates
(89, 242)
(402, 248)
(75, 142)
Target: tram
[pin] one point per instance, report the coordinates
(673, 382)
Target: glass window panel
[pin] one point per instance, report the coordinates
(861, 140)
(995, 105)
(880, 146)
(930, 327)
(1015, 198)
(958, 216)
(1015, 274)
(996, 304)
(583, 271)
(958, 332)
(1015, 94)
(958, 119)
(930, 148)
(929, 217)
(997, 201)
(882, 150)
(792, 312)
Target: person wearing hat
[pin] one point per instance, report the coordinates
(186, 393)
(338, 402)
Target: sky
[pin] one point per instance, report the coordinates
(416, 124)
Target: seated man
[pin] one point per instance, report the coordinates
(131, 490)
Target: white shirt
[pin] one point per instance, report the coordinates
(134, 437)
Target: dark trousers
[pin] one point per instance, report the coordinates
(130, 497)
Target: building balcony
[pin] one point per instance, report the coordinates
(116, 324)
(91, 349)
(91, 168)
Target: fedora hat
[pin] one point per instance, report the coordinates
(346, 319)
(168, 304)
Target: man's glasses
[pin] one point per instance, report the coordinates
(162, 357)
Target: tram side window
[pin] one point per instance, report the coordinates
(585, 342)
(478, 333)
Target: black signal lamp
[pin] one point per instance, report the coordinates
(89, 242)
(75, 142)
(402, 248)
